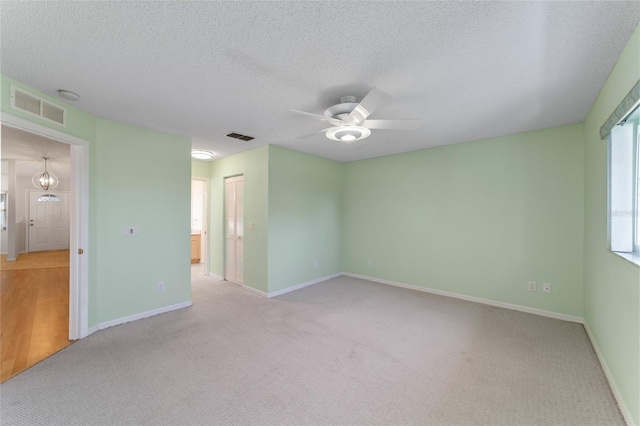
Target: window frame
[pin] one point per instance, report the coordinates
(620, 185)
(636, 184)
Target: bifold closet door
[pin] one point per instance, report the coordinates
(234, 222)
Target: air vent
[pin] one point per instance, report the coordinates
(239, 136)
(33, 105)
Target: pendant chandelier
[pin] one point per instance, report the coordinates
(45, 180)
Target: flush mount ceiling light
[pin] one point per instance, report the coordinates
(348, 133)
(45, 180)
(68, 95)
(200, 154)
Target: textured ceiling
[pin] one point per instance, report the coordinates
(28, 149)
(468, 70)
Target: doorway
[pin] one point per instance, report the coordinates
(234, 229)
(35, 265)
(199, 227)
(78, 277)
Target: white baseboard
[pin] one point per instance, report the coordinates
(616, 394)
(254, 291)
(136, 317)
(303, 285)
(490, 302)
(289, 289)
(217, 277)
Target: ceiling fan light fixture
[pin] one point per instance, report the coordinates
(348, 133)
(200, 154)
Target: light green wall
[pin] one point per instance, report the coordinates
(253, 165)
(612, 284)
(133, 173)
(305, 209)
(143, 179)
(481, 219)
(201, 169)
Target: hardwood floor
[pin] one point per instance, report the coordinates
(34, 317)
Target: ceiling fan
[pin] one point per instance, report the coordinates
(351, 122)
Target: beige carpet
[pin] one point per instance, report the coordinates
(36, 260)
(342, 352)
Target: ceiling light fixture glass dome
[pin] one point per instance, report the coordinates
(200, 154)
(348, 133)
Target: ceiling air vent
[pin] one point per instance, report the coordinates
(239, 136)
(33, 105)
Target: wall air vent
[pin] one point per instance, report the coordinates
(36, 106)
(239, 136)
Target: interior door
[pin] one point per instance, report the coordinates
(234, 223)
(48, 220)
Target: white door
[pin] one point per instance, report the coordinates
(48, 220)
(234, 224)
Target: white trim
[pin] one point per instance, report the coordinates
(78, 219)
(39, 129)
(253, 290)
(303, 285)
(216, 276)
(490, 302)
(612, 384)
(139, 316)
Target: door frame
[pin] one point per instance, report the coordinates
(205, 222)
(78, 220)
(28, 215)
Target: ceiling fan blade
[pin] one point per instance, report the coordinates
(310, 114)
(316, 133)
(392, 124)
(334, 121)
(374, 100)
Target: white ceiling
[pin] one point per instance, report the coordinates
(28, 149)
(468, 70)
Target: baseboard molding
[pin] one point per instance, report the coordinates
(303, 285)
(217, 277)
(254, 291)
(139, 316)
(490, 302)
(290, 289)
(614, 389)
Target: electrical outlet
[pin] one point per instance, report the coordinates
(532, 286)
(370, 262)
(315, 265)
(546, 287)
(160, 287)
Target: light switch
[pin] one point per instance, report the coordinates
(131, 231)
(251, 227)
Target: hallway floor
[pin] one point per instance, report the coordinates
(34, 310)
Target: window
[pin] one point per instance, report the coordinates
(49, 198)
(624, 187)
